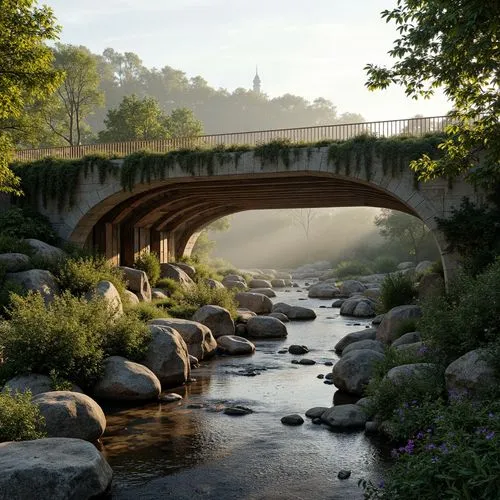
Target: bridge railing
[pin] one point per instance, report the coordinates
(410, 127)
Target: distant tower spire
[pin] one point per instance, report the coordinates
(256, 81)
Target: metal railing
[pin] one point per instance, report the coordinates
(387, 128)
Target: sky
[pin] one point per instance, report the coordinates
(315, 48)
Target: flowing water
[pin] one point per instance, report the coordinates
(191, 450)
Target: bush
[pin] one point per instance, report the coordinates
(147, 311)
(384, 264)
(150, 264)
(20, 418)
(171, 286)
(9, 244)
(25, 223)
(397, 290)
(350, 268)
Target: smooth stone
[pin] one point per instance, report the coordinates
(237, 411)
(344, 474)
(345, 417)
(306, 361)
(292, 420)
(298, 349)
(316, 412)
(171, 397)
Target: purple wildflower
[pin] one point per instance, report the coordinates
(381, 484)
(490, 435)
(420, 435)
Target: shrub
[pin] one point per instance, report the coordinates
(406, 326)
(147, 311)
(203, 269)
(150, 264)
(20, 418)
(171, 286)
(9, 244)
(384, 264)
(25, 223)
(397, 290)
(351, 268)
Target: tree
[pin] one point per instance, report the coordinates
(135, 119)
(303, 217)
(408, 230)
(183, 123)
(77, 97)
(204, 245)
(26, 70)
(454, 46)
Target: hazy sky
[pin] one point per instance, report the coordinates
(309, 48)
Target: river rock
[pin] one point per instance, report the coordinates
(266, 327)
(256, 283)
(298, 349)
(238, 285)
(138, 282)
(237, 411)
(470, 375)
(338, 302)
(109, 293)
(268, 292)
(198, 337)
(366, 334)
(359, 307)
(294, 312)
(307, 361)
(373, 345)
(132, 298)
(416, 348)
(349, 287)
(244, 315)
(231, 344)
(393, 319)
(407, 338)
(37, 280)
(377, 319)
(344, 474)
(175, 273)
(14, 262)
(189, 270)
(430, 285)
(399, 375)
(214, 284)
(278, 283)
(167, 356)
(292, 420)
(424, 267)
(157, 294)
(256, 302)
(345, 417)
(217, 318)
(402, 266)
(282, 317)
(33, 382)
(44, 250)
(71, 414)
(240, 330)
(124, 380)
(316, 412)
(354, 370)
(55, 469)
(323, 291)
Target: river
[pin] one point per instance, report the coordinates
(191, 450)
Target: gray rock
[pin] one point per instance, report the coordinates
(231, 344)
(344, 474)
(323, 291)
(292, 420)
(171, 397)
(338, 302)
(14, 262)
(415, 348)
(405, 265)
(430, 285)
(278, 283)
(44, 250)
(377, 319)
(366, 334)
(298, 349)
(217, 318)
(71, 414)
(424, 267)
(240, 330)
(109, 293)
(138, 282)
(37, 280)
(124, 380)
(244, 315)
(359, 307)
(256, 302)
(472, 375)
(167, 356)
(399, 375)
(189, 270)
(348, 287)
(268, 292)
(374, 345)
(230, 284)
(282, 317)
(132, 298)
(198, 337)
(214, 284)
(316, 412)
(364, 402)
(354, 370)
(55, 469)
(33, 382)
(294, 312)
(175, 273)
(158, 294)
(256, 283)
(237, 411)
(407, 338)
(307, 361)
(345, 417)
(266, 327)
(371, 427)
(393, 319)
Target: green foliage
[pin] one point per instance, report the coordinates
(348, 268)
(397, 289)
(150, 264)
(171, 286)
(183, 123)
(384, 264)
(203, 270)
(20, 418)
(452, 46)
(79, 276)
(454, 452)
(277, 150)
(146, 311)
(10, 244)
(405, 326)
(24, 223)
(466, 317)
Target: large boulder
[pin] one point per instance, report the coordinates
(355, 369)
(138, 282)
(176, 273)
(132, 298)
(323, 291)
(256, 302)
(470, 375)
(349, 287)
(189, 270)
(198, 337)
(55, 469)
(345, 417)
(234, 281)
(214, 284)
(167, 356)
(257, 283)
(266, 327)
(44, 250)
(14, 262)
(430, 285)
(37, 280)
(359, 307)
(373, 345)
(279, 283)
(124, 380)
(217, 318)
(234, 345)
(366, 334)
(407, 339)
(403, 266)
(33, 382)
(71, 414)
(424, 267)
(268, 292)
(399, 375)
(244, 315)
(294, 312)
(108, 291)
(387, 331)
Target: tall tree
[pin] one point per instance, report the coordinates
(26, 70)
(454, 46)
(183, 123)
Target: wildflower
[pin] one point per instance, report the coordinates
(490, 435)
(422, 350)
(420, 435)
(430, 446)
(434, 460)
(381, 484)
(491, 415)
(444, 448)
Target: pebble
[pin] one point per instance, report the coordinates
(328, 363)
(327, 382)
(298, 349)
(282, 351)
(170, 398)
(237, 411)
(320, 376)
(295, 361)
(344, 474)
(329, 376)
(292, 420)
(306, 361)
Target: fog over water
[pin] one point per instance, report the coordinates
(274, 238)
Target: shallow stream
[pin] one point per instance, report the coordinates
(191, 450)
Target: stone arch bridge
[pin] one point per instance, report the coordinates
(166, 213)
